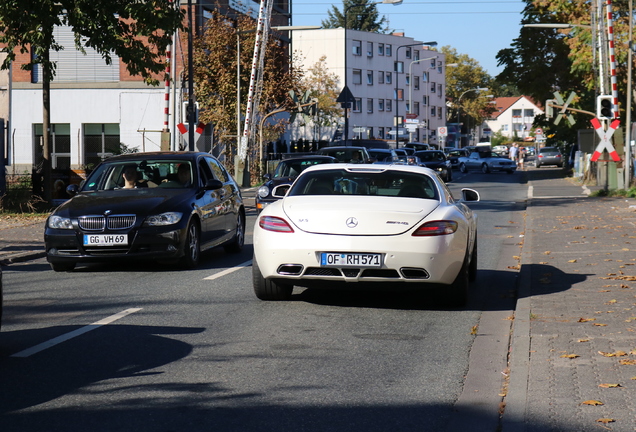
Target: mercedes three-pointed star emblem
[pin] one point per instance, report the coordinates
(352, 222)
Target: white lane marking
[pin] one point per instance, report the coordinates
(530, 191)
(80, 331)
(228, 271)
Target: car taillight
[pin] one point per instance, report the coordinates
(436, 228)
(272, 223)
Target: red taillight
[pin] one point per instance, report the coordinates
(436, 228)
(272, 223)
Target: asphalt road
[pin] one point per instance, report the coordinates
(151, 348)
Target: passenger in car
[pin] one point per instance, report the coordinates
(131, 178)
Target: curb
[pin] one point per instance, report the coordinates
(16, 257)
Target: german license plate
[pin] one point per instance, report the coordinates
(105, 240)
(328, 259)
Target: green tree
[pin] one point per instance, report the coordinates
(323, 85)
(215, 66)
(361, 15)
(136, 31)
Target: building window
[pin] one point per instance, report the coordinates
(439, 90)
(439, 112)
(387, 50)
(425, 77)
(408, 79)
(100, 142)
(381, 49)
(357, 76)
(380, 77)
(381, 132)
(416, 108)
(60, 146)
(416, 82)
(370, 77)
(416, 55)
(388, 78)
(389, 105)
(398, 67)
(425, 100)
(408, 106)
(357, 105)
(433, 111)
(408, 53)
(357, 47)
(433, 62)
(369, 49)
(369, 105)
(380, 104)
(399, 95)
(439, 67)
(433, 87)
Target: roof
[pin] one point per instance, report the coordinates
(503, 104)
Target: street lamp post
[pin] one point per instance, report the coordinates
(346, 55)
(395, 69)
(459, 107)
(411, 92)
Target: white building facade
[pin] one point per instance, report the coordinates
(513, 117)
(393, 79)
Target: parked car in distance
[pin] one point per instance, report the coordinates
(182, 203)
(383, 155)
(486, 162)
(346, 154)
(369, 226)
(284, 175)
(418, 146)
(501, 149)
(437, 161)
(548, 156)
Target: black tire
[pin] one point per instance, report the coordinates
(192, 246)
(462, 168)
(537, 165)
(457, 294)
(236, 244)
(472, 267)
(62, 267)
(485, 169)
(267, 289)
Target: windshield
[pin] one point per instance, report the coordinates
(371, 182)
(294, 168)
(135, 174)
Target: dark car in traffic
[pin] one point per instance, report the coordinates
(284, 175)
(548, 156)
(453, 154)
(437, 161)
(386, 156)
(180, 204)
(346, 154)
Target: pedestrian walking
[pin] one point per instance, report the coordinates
(514, 152)
(522, 157)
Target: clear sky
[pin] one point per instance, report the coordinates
(477, 28)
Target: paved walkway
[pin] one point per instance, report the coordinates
(573, 356)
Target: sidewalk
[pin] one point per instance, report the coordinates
(573, 350)
(21, 239)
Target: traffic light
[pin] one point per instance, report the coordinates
(604, 107)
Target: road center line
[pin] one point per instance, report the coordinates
(80, 331)
(228, 271)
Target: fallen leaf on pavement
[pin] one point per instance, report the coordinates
(614, 354)
(609, 385)
(592, 402)
(627, 362)
(606, 420)
(570, 356)
(611, 301)
(586, 319)
(600, 325)
(583, 340)
(572, 261)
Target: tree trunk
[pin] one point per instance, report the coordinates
(46, 129)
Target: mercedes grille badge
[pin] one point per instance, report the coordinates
(352, 222)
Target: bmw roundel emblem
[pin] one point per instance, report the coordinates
(352, 222)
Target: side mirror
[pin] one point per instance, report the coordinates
(213, 185)
(470, 195)
(267, 176)
(72, 190)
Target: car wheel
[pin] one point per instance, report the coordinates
(472, 268)
(192, 246)
(462, 168)
(62, 267)
(236, 245)
(267, 289)
(537, 165)
(458, 290)
(485, 169)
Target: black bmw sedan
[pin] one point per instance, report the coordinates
(165, 206)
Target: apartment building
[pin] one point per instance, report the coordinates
(395, 81)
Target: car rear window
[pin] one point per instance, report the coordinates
(369, 182)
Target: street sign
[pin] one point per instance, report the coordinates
(346, 96)
(411, 115)
(605, 143)
(442, 131)
(564, 108)
(538, 131)
(359, 129)
(411, 121)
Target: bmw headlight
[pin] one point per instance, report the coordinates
(58, 222)
(168, 218)
(440, 169)
(263, 191)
